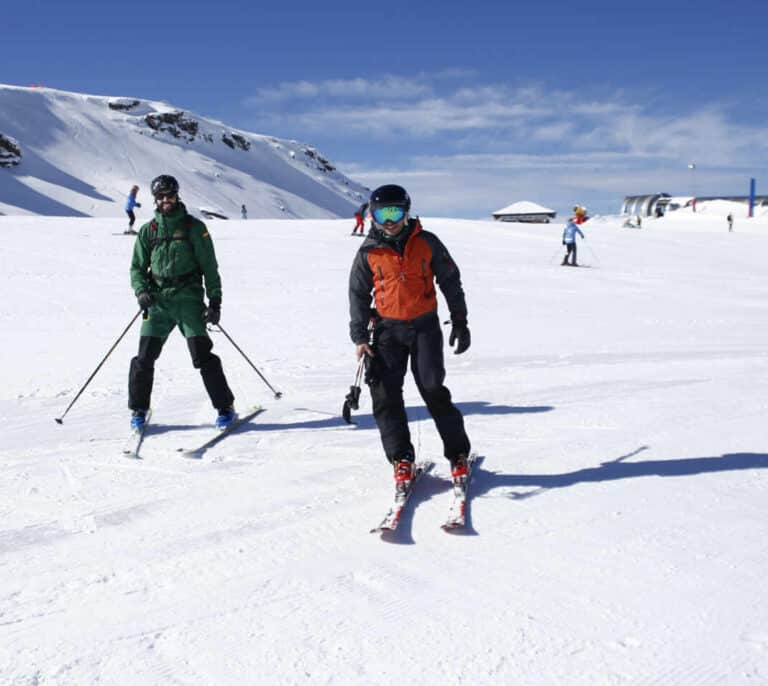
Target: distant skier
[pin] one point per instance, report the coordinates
(130, 203)
(360, 219)
(579, 214)
(398, 263)
(729, 218)
(172, 255)
(569, 241)
(243, 212)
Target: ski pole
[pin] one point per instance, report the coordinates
(594, 254)
(556, 253)
(278, 394)
(60, 420)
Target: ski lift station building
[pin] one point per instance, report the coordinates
(660, 203)
(525, 211)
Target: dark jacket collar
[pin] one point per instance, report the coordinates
(377, 238)
(173, 219)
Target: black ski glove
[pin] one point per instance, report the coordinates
(459, 335)
(138, 204)
(213, 312)
(145, 300)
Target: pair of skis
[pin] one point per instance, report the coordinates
(135, 441)
(456, 518)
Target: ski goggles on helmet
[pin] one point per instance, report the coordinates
(388, 213)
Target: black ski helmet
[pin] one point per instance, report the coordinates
(388, 196)
(164, 184)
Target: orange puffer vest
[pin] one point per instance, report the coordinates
(404, 285)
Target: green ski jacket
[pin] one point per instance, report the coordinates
(173, 251)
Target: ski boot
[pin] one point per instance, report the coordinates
(459, 470)
(404, 472)
(138, 418)
(226, 418)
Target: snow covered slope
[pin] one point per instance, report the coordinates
(618, 527)
(71, 154)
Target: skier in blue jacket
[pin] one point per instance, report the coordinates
(569, 241)
(130, 203)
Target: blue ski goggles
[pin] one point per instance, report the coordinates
(389, 213)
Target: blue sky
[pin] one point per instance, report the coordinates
(471, 106)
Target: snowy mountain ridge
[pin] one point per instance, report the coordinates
(72, 154)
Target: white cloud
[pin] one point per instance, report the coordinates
(385, 87)
(509, 118)
(475, 185)
(495, 144)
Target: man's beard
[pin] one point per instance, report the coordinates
(167, 208)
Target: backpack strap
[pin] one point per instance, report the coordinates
(154, 240)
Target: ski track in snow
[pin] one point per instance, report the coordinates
(616, 529)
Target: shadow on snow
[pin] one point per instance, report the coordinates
(415, 413)
(485, 481)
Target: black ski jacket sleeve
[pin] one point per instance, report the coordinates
(360, 289)
(447, 276)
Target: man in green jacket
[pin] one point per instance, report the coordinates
(172, 255)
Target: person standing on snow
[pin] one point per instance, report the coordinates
(172, 255)
(130, 203)
(569, 241)
(360, 218)
(398, 263)
(243, 212)
(729, 219)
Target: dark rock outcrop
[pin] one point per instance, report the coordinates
(123, 105)
(10, 151)
(235, 140)
(175, 123)
(322, 164)
(210, 214)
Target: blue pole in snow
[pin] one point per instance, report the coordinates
(751, 197)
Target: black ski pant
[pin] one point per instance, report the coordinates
(421, 340)
(570, 249)
(131, 218)
(142, 372)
